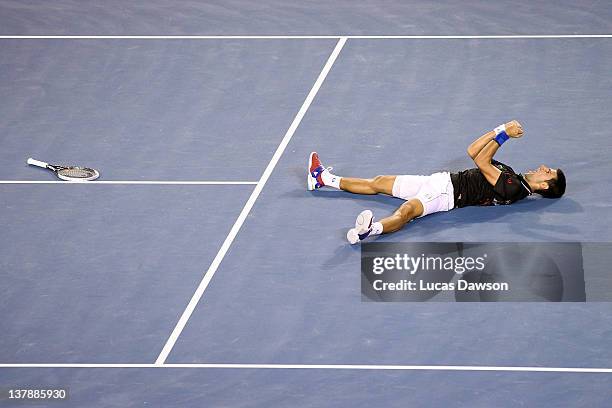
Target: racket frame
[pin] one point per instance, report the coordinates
(57, 168)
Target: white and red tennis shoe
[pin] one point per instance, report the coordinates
(315, 172)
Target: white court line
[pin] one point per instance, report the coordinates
(295, 37)
(248, 206)
(137, 182)
(372, 367)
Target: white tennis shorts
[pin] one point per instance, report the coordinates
(435, 192)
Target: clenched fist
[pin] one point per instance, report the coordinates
(514, 129)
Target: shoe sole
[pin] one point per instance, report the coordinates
(362, 224)
(310, 181)
(364, 218)
(352, 237)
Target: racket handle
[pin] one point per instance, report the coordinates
(38, 163)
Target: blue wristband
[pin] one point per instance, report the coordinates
(500, 135)
(501, 138)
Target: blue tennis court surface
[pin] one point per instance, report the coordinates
(198, 271)
(104, 298)
(180, 109)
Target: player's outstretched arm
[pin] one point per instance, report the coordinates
(500, 135)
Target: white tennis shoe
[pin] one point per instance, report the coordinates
(363, 227)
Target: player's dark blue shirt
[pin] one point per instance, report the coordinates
(472, 188)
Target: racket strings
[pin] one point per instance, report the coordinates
(77, 172)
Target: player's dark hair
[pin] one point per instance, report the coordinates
(556, 187)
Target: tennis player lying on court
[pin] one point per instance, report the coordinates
(492, 183)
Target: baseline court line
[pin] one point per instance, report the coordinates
(137, 182)
(372, 367)
(163, 355)
(295, 37)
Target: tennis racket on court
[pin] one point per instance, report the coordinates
(68, 173)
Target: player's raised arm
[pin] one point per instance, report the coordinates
(488, 145)
(478, 144)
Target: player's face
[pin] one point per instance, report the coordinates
(542, 173)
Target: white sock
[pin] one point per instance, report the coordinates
(377, 228)
(331, 179)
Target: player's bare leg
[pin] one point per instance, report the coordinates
(320, 176)
(365, 225)
(408, 211)
(376, 185)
